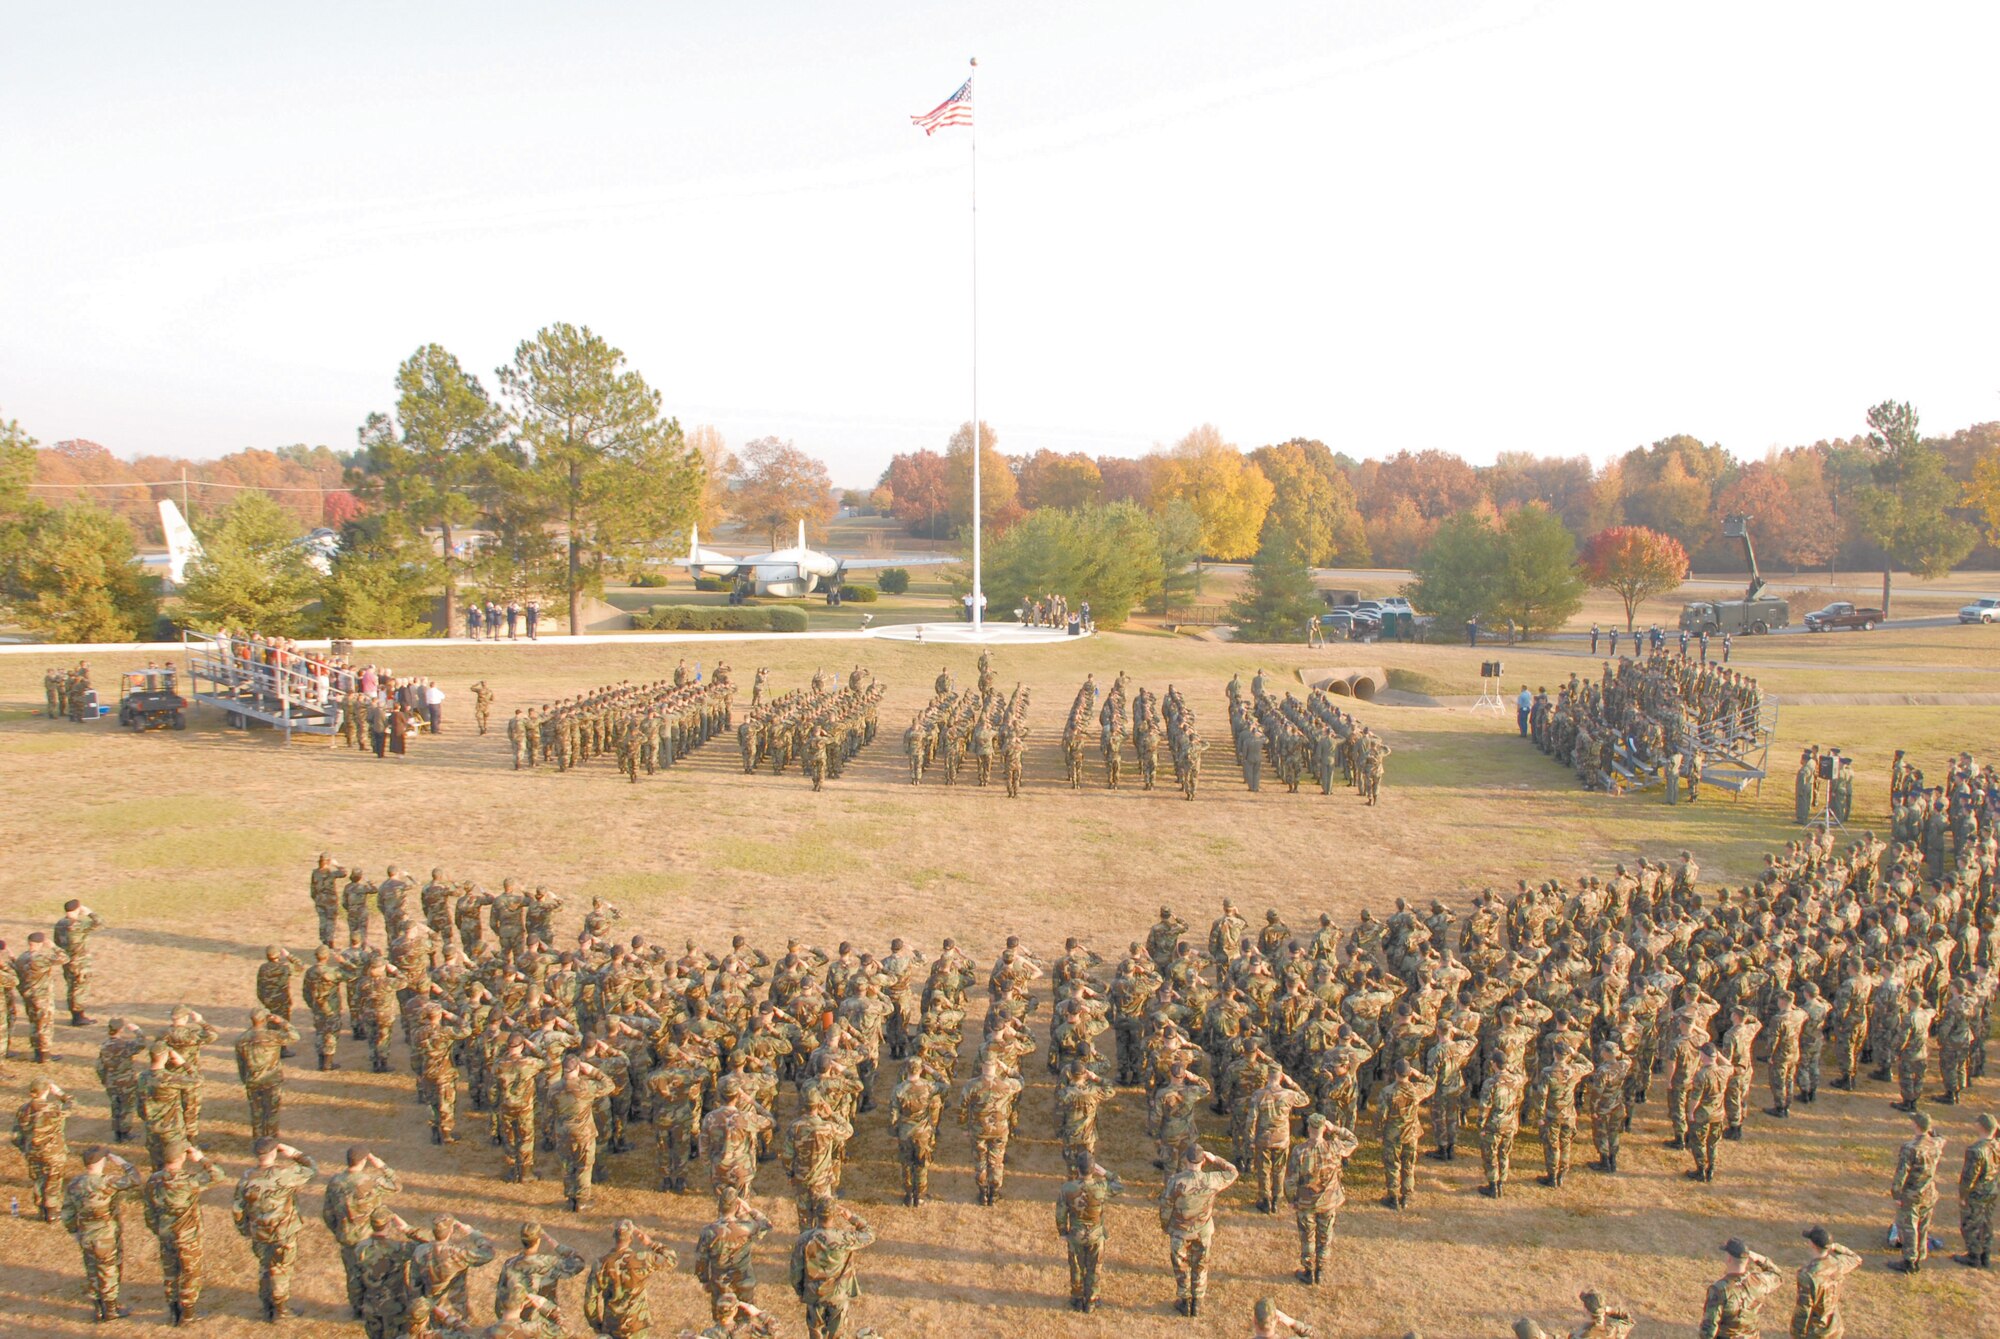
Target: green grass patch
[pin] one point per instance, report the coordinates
(1416, 681)
(637, 886)
(184, 851)
(810, 854)
(176, 898)
(156, 812)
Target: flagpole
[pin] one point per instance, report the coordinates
(978, 598)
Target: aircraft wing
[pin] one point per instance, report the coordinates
(862, 564)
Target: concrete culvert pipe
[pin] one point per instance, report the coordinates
(1358, 681)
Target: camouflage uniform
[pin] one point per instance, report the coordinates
(352, 1197)
(614, 1296)
(1080, 1220)
(90, 1214)
(72, 936)
(40, 1129)
(173, 1214)
(722, 1253)
(1187, 1215)
(1313, 1184)
(117, 1070)
(267, 1215)
(823, 1273)
(260, 1066)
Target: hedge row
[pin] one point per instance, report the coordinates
(721, 618)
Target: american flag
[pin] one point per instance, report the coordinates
(955, 110)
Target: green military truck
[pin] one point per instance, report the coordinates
(1753, 614)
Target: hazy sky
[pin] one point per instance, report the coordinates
(1571, 226)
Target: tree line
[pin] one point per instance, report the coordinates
(569, 472)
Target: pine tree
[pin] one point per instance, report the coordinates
(1280, 599)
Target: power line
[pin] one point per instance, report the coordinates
(198, 483)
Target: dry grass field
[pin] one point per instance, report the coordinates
(196, 846)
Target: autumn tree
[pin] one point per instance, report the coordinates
(1313, 500)
(1634, 563)
(425, 460)
(17, 471)
(999, 491)
(1670, 487)
(1905, 507)
(717, 466)
(777, 486)
(75, 578)
(1178, 529)
(1278, 602)
(596, 457)
(1066, 482)
(1983, 494)
(1127, 479)
(916, 490)
(1228, 492)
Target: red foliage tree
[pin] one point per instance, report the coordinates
(1635, 563)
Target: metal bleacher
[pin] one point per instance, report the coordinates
(241, 678)
(1735, 751)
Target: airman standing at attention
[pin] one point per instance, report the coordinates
(1313, 1184)
(40, 1129)
(1915, 1189)
(1187, 1215)
(1736, 1300)
(267, 1214)
(1817, 1312)
(117, 1070)
(1080, 1222)
(352, 1198)
(482, 704)
(1978, 1188)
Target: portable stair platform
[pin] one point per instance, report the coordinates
(1736, 749)
(253, 684)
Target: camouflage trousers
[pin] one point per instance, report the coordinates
(103, 1263)
(76, 982)
(1702, 1137)
(673, 1148)
(1315, 1239)
(1496, 1155)
(914, 1153)
(1975, 1224)
(275, 1262)
(263, 1099)
(1783, 1073)
(45, 1180)
(827, 1319)
(1557, 1135)
(329, 921)
(1607, 1126)
(1913, 1226)
(1188, 1251)
(1086, 1254)
(326, 1037)
(180, 1270)
(989, 1163)
(578, 1151)
(1399, 1163)
(514, 1127)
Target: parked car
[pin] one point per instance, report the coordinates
(1841, 614)
(1981, 611)
(1395, 604)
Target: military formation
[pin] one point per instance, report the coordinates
(1303, 741)
(1153, 718)
(1668, 709)
(822, 728)
(960, 730)
(1258, 1053)
(67, 692)
(640, 727)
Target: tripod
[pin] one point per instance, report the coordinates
(1489, 696)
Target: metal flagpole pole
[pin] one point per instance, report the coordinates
(978, 591)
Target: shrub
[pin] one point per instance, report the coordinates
(720, 618)
(857, 594)
(712, 585)
(650, 580)
(893, 580)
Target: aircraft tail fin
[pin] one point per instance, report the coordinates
(694, 542)
(182, 547)
(802, 532)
